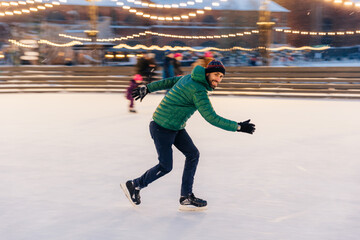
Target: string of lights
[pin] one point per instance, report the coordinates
(230, 35)
(75, 38)
(238, 34)
(338, 33)
(202, 37)
(110, 56)
(178, 48)
(69, 44)
(27, 10)
(17, 3)
(163, 18)
(168, 6)
(345, 3)
(9, 4)
(21, 44)
(299, 48)
(42, 41)
(164, 48)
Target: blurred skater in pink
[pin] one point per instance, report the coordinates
(134, 83)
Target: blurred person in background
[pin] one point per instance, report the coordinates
(186, 95)
(204, 60)
(177, 64)
(146, 67)
(134, 83)
(253, 60)
(168, 66)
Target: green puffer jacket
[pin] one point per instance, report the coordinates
(187, 94)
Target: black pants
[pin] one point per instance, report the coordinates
(164, 139)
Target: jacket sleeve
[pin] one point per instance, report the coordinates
(206, 110)
(166, 83)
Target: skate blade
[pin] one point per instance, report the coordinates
(127, 194)
(190, 208)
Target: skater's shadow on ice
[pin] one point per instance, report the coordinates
(182, 224)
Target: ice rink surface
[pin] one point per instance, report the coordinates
(63, 156)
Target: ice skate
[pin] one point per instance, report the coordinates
(131, 192)
(132, 110)
(191, 203)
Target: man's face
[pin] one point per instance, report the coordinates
(214, 78)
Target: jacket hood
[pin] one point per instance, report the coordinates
(198, 75)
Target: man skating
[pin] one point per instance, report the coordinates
(186, 95)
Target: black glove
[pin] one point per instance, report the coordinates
(246, 127)
(140, 92)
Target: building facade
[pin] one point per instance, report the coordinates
(113, 20)
(322, 16)
(73, 18)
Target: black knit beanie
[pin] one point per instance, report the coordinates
(215, 66)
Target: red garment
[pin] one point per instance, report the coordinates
(131, 87)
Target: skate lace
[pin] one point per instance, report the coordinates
(195, 199)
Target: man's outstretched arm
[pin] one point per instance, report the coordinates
(206, 110)
(143, 90)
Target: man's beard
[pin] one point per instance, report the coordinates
(208, 80)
